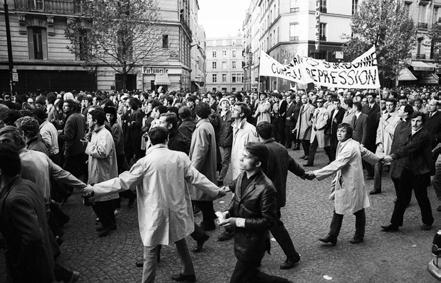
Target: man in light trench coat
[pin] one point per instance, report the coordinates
(348, 189)
(162, 179)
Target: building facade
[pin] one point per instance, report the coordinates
(198, 47)
(43, 62)
(225, 64)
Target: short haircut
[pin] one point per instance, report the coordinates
(161, 109)
(158, 135)
(9, 160)
(348, 128)
(133, 103)
(391, 100)
(16, 135)
(98, 115)
(51, 97)
(39, 114)
(349, 102)
(358, 105)
(243, 108)
(203, 110)
(171, 118)
(184, 113)
(264, 130)
(418, 114)
(408, 109)
(29, 126)
(259, 151)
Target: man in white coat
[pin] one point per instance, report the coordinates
(319, 123)
(348, 189)
(165, 213)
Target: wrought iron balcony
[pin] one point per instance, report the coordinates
(421, 56)
(422, 25)
(67, 7)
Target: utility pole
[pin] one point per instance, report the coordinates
(8, 39)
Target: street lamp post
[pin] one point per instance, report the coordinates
(8, 39)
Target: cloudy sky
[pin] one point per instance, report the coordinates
(222, 17)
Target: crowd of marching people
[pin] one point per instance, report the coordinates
(174, 153)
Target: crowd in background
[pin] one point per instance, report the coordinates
(69, 140)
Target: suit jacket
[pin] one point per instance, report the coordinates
(418, 152)
(23, 223)
(334, 122)
(401, 137)
(73, 132)
(278, 164)
(283, 108)
(290, 113)
(433, 126)
(258, 205)
(359, 126)
(372, 121)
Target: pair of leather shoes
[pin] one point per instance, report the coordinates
(329, 240)
(375, 192)
(184, 277)
(389, 228)
(200, 244)
(289, 263)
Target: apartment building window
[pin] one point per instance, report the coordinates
(214, 78)
(293, 6)
(233, 78)
(354, 6)
(224, 65)
(422, 13)
(233, 53)
(37, 4)
(435, 14)
(294, 31)
(224, 53)
(213, 65)
(322, 31)
(233, 64)
(213, 54)
(165, 41)
(224, 78)
(37, 43)
(83, 44)
(322, 7)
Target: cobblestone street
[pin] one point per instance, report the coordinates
(383, 257)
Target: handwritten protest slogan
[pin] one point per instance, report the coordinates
(360, 73)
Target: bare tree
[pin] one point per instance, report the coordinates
(120, 34)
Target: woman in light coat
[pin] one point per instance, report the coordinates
(263, 111)
(348, 188)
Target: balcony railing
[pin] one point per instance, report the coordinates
(421, 56)
(322, 38)
(422, 25)
(49, 6)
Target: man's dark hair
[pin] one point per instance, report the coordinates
(349, 102)
(244, 109)
(171, 118)
(16, 135)
(393, 100)
(98, 115)
(51, 97)
(134, 103)
(9, 160)
(358, 105)
(184, 113)
(259, 151)
(418, 114)
(39, 114)
(408, 109)
(158, 135)
(203, 110)
(264, 130)
(348, 128)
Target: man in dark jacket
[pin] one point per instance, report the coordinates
(23, 223)
(132, 124)
(335, 119)
(72, 135)
(290, 120)
(253, 211)
(433, 122)
(415, 175)
(372, 110)
(278, 164)
(186, 128)
(359, 124)
(225, 138)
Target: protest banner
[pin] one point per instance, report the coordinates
(362, 73)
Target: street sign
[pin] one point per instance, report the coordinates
(15, 76)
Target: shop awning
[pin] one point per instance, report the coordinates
(429, 79)
(162, 79)
(406, 75)
(422, 66)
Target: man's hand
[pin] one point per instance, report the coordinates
(223, 191)
(387, 159)
(309, 175)
(229, 222)
(88, 191)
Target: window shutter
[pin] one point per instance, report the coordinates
(31, 43)
(44, 43)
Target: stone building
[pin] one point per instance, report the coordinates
(43, 61)
(225, 64)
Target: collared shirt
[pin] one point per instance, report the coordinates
(246, 181)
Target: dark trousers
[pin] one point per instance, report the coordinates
(247, 272)
(289, 136)
(198, 233)
(312, 150)
(333, 149)
(76, 165)
(282, 237)
(378, 171)
(104, 210)
(305, 145)
(418, 183)
(360, 223)
(207, 210)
